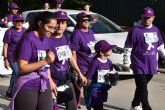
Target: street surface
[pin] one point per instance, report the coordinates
(120, 97)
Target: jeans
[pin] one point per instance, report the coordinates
(141, 92)
(14, 67)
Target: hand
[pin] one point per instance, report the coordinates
(7, 65)
(83, 79)
(126, 68)
(50, 57)
(53, 87)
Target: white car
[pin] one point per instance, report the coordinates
(103, 28)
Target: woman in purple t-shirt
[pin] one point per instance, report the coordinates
(32, 90)
(11, 38)
(82, 44)
(100, 67)
(60, 45)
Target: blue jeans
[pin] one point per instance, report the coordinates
(14, 67)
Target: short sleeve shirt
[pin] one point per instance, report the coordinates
(61, 49)
(12, 38)
(83, 43)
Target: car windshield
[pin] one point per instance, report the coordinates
(32, 15)
(100, 24)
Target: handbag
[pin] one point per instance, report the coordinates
(64, 93)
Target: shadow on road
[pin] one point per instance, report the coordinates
(125, 77)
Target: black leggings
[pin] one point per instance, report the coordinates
(33, 100)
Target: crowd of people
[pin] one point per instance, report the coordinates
(50, 68)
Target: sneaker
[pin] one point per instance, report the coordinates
(136, 108)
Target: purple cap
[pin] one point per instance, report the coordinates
(103, 46)
(58, 1)
(148, 12)
(82, 15)
(61, 15)
(13, 6)
(18, 17)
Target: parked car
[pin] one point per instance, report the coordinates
(103, 28)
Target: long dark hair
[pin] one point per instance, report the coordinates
(44, 17)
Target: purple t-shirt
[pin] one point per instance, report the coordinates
(61, 49)
(9, 17)
(83, 43)
(96, 67)
(32, 50)
(144, 43)
(12, 38)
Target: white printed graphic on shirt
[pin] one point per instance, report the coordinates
(63, 52)
(91, 45)
(150, 37)
(101, 74)
(42, 56)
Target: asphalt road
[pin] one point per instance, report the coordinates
(120, 96)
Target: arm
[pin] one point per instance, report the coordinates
(25, 67)
(161, 51)
(76, 68)
(52, 84)
(126, 57)
(128, 48)
(6, 62)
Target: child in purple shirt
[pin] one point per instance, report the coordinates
(11, 39)
(100, 66)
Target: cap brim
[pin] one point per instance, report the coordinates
(110, 48)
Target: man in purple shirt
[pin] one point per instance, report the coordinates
(11, 39)
(143, 43)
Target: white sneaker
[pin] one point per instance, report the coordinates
(136, 108)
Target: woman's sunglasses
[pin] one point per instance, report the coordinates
(85, 20)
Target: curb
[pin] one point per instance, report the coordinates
(161, 70)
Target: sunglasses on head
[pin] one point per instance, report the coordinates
(85, 20)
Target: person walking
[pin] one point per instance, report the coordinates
(58, 4)
(60, 45)
(34, 86)
(82, 45)
(143, 43)
(101, 66)
(13, 9)
(11, 39)
(46, 6)
(86, 6)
